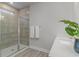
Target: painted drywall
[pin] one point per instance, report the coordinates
(47, 16)
(76, 10)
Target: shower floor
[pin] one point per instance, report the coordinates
(10, 50)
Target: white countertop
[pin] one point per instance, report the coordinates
(63, 47)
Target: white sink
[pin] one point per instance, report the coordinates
(63, 47)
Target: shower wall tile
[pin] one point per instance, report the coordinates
(24, 26)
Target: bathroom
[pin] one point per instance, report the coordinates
(30, 29)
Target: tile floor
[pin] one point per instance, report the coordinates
(32, 53)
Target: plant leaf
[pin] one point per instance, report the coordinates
(70, 31)
(70, 23)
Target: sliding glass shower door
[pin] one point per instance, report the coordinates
(14, 32)
(9, 32)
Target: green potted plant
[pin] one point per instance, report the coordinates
(72, 29)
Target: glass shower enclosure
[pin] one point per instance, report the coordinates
(14, 33)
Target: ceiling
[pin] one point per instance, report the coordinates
(19, 5)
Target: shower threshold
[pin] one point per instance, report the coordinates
(12, 51)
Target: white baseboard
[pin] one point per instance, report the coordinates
(40, 49)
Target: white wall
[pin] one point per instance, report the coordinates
(47, 16)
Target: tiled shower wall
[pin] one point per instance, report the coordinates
(24, 26)
(24, 33)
